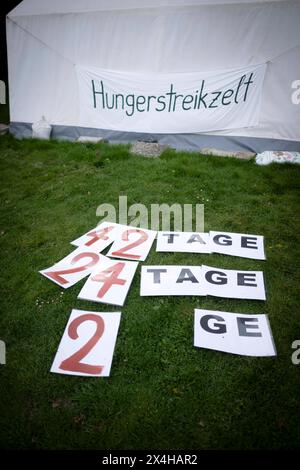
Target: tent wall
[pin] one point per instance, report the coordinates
(45, 40)
(192, 142)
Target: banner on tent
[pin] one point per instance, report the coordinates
(170, 103)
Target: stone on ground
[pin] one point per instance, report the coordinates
(227, 153)
(148, 149)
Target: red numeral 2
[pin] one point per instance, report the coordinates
(125, 236)
(73, 363)
(57, 275)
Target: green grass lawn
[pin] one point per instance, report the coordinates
(162, 392)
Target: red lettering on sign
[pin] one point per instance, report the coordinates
(73, 363)
(109, 277)
(57, 275)
(98, 235)
(125, 236)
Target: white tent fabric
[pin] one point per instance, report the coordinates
(47, 38)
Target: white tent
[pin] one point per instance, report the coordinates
(48, 40)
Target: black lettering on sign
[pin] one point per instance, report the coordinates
(219, 328)
(243, 327)
(249, 242)
(171, 236)
(196, 238)
(224, 240)
(186, 275)
(220, 278)
(246, 279)
(156, 274)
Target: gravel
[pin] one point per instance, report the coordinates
(148, 149)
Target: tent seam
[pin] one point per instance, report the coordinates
(40, 41)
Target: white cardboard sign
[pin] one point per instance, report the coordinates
(235, 333)
(88, 343)
(201, 280)
(99, 237)
(238, 244)
(188, 242)
(109, 282)
(234, 284)
(172, 280)
(73, 267)
(133, 243)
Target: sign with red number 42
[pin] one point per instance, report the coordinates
(88, 343)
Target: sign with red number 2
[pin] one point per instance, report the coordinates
(73, 267)
(133, 243)
(109, 282)
(99, 237)
(88, 343)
